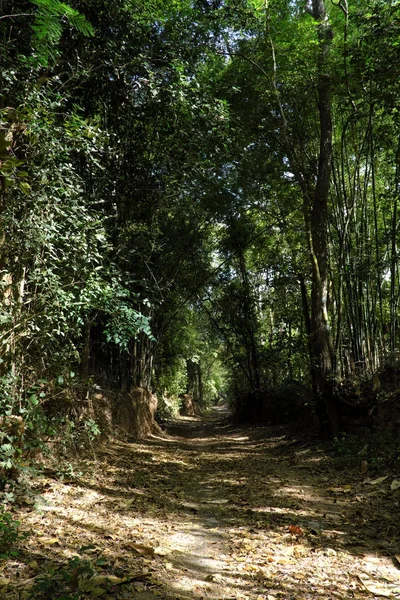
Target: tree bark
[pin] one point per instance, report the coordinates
(315, 193)
(321, 337)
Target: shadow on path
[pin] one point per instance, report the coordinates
(215, 511)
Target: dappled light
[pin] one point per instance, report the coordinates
(199, 299)
(207, 511)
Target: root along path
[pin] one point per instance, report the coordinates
(209, 511)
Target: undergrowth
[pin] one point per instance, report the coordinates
(380, 449)
(10, 534)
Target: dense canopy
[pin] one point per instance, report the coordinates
(197, 197)
(199, 213)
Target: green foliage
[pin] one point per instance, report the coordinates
(189, 359)
(24, 427)
(153, 180)
(92, 428)
(9, 533)
(76, 580)
(49, 24)
(167, 407)
(79, 432)
(62, 241)
(173, 378)
(124, 324)
(380, 448)
(67, 472)
(62, 583)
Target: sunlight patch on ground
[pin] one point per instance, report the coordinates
(305, 492)
(315, 460)
(221, 508)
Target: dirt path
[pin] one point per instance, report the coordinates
(213, 512)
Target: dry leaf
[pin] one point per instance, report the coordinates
(300, 551)
(363, 451)
(191, 506)
(50, 541)
(295, 530)
(155, 580)
(251, 567)
(4, 581)
(26, 582)
(34, 565)
(160, 551)
(126, 503)
(395, 485)
(96, 592)
(284, 561)
(377, 481)
(140, 575)
(344, 489)
(214, 578)
(145, 550)
(376, 588)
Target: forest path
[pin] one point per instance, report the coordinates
(209, 511)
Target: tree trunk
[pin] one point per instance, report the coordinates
(393, 273)
(315, 193)
(85, 353)
(250, 320)
(307, 322)
(317, 208)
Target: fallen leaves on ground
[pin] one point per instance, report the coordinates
(213, 512)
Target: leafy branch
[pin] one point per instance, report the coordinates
(49, 17)
(47, 26)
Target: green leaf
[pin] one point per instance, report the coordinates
(25, 187)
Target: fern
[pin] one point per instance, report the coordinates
(48, 25)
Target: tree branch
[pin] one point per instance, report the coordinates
(16, 15)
